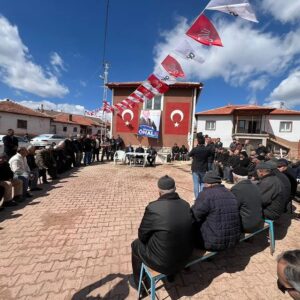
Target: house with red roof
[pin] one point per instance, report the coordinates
(275, 128)
(22, 119)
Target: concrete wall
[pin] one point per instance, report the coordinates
(274, 125)
(224, 127)
(70, 129)
(35, 125)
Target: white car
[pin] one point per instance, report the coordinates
(22, 142)
(44, 140)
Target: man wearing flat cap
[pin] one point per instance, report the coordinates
(270, 187)
(217, 216)
(165, 240)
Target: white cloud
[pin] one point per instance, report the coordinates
(82, 83)
(57, 62)
(258, 84)
(17, 69)
(284, 11)
(248, 52)
(288, 91)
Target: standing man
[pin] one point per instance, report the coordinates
(87, 149)
(10, 143)
(200, 156)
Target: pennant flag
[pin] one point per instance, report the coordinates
(118, 107)
(149, 87)
(164, 76)
(105, 106)
(172, 66)
(127, 103)
(203, 31)
(186, 51)
(159, 85)
(148, 94)
(237, 8)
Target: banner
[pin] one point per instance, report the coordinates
(149, 123)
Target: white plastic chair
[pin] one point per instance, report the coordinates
(120, 155)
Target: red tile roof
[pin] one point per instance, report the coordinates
(280, 111)
(9, 106)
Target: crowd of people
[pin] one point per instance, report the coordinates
(21, 169)
(263, 188)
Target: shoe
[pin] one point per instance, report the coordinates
(171, 278)
(10, 203)
(28, 195)
(19, 199)
(46, 182)
(36, 189)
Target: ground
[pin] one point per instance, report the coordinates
(73, 240)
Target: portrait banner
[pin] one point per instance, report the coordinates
(149, 123)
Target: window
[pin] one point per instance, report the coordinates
(22, 124)
(155, 103)
(285, 126)
(210, 125)
(242, 124)
(65, 129)
(75, 129)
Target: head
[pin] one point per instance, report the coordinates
(10, 132)
(236, 152)
(31, 149)
(23, 151)
(61, 145)
(166, 185)
(3, 158)
(243, 155)
(211, 178)
(288, 272)
(218, 140)
(282, 165)
(263, 169)
(234, 140)
(175, 144)
(88, 136)
(247, 142)
(239, 174)
(140, 145)
(201, 141)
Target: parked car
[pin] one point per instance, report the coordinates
(22, 142)
(44, 140)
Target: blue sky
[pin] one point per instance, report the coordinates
(51, 51)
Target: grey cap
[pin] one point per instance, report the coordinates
(212, 177)
(273, 164)
(264, 166)
(166, 183)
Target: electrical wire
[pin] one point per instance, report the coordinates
(105, 32)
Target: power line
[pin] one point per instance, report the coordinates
(105, 32)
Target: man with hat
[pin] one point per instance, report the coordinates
(249, 201)
(165, 240)
(271, 191)
(217, 215)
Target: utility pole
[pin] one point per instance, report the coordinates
(104, 77)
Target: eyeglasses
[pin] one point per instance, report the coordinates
(282, 288)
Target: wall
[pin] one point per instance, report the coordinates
(70, 127)
(274, 123)
(224, 126)
(165, 140)
(35, 125)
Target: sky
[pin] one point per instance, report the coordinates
(52, 51)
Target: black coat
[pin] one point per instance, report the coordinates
(31, 162)
(200, 156)
(272, 195)
(293, 181)
(166, 234)
(285, 185)
(87, 145)
(217, 216)
(211, 147)
(5, 172)
(10, 145)
(250, 205)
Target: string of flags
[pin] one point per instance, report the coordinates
(170, 69)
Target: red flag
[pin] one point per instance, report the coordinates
(128, 120)
(177, 118)
(172, 66)
(137, 97)
(160, 86)
(203, 31)
(148, 94)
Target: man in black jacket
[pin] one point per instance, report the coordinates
(200, 156)
(271, 191)
(10, 143)
(34, 169)
(249, 201)
(165, 235)
(217, 216)
(152, 155)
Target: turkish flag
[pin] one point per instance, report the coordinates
(172, 66)
(177, 118)
(159, 85)
(128, 120)
(203, 31)
(148, 94)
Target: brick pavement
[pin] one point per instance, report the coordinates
(73, 242)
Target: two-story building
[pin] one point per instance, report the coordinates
(276, 128)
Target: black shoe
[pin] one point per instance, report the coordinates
(171, 278)
(36, 189)
(10, 203)
(46, 182)
(28, 195)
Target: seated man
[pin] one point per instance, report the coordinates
(175, 152)
(129, 149)
(151, 155)
(183, 152)
(19, 166)
(288, 272)
(165, 235)
(217, 216)
(249, 201)
(11, 185)
(33, 169)
(271, 190)
(139, 158)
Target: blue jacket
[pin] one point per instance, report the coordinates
(217, 218)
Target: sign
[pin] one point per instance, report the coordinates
(149, 123)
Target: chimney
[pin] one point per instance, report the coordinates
(70, 118)
(42, 108)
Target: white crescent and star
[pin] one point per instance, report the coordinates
(177, 112)
(124, 113)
